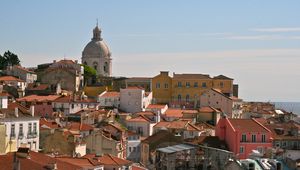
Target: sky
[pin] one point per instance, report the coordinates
(255, 42)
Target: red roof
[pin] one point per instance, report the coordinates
(178, 124)
(111, 94)
(208, 109)
(36, 98)
(10, 78)
(108, 159)
(140, 118)
(32, 86)
(36, 161)
(247, 125)
(50, 124)
(156, 106)
(173, 113)
(75, 126)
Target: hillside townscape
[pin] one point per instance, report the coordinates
(74, 114)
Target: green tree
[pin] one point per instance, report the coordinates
(8, 58)
(89, 73)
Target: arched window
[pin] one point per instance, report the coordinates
(179, 97)
(95, 65)
(105, 67)
(187, 98)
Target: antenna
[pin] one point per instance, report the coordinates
(97, 22)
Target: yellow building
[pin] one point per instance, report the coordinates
(162, 88)
(6, 145)
(186, 89)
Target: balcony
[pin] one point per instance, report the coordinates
(31, 135)
(21, 136)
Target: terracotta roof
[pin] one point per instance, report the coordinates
(68, 99)
(111, 94)
(146, 113)
(10, 78)
(173, 113)
(156, 106)
(222, 77)
(23, 69)
(75, 126)
(191, 76)
(82, 162)
(33, 86)
(135, 88)
(36, 98)
(247, 125)
(208, 109)
(283, 131)
(140, 118)
(108, 159)
(177, 124)
(50, 124)
(37, 161)
(10, 111)
(189, 111)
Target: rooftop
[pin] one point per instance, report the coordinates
(191, 76)
(176, 148)
(247, 125)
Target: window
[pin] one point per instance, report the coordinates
(179, 84)
(129, 149)
(29, 127)
(20, 129)
(179, 97)
(253, 138)
(105, 67)
(134, 149)
(187, 84)
(191, 133)
(204, 84)
(241, 149)
(157, 85)
(196, 84)
(263, 138)
(244, 138)
(12, 130)
(221, 84)
(72, 106)
(187, 98)
(34, 128)
(166, 85)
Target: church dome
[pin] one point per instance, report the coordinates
(96, 47)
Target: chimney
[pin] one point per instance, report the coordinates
(31, 110)
(52, 166)
(54, 61)
(76, 61)
(16, 111)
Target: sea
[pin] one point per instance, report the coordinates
(289, 106)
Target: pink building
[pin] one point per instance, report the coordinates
(244, 135)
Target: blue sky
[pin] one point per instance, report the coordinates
(255, 42)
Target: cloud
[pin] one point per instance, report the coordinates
(277, 29)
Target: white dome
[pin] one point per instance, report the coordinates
(96, 49)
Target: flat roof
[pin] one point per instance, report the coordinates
(175, 148)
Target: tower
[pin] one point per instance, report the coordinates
(97, 55)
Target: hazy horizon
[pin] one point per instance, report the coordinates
(254, 42)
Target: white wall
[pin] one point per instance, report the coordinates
(131, 100)
(26, 138)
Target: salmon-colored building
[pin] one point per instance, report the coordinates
(244, 135)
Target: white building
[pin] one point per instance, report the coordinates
(71, 104)
(231, 106)
(134, 99)
(109, 99)
(22, 73)
(141, 125)
(22, 126)
(133, 149)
